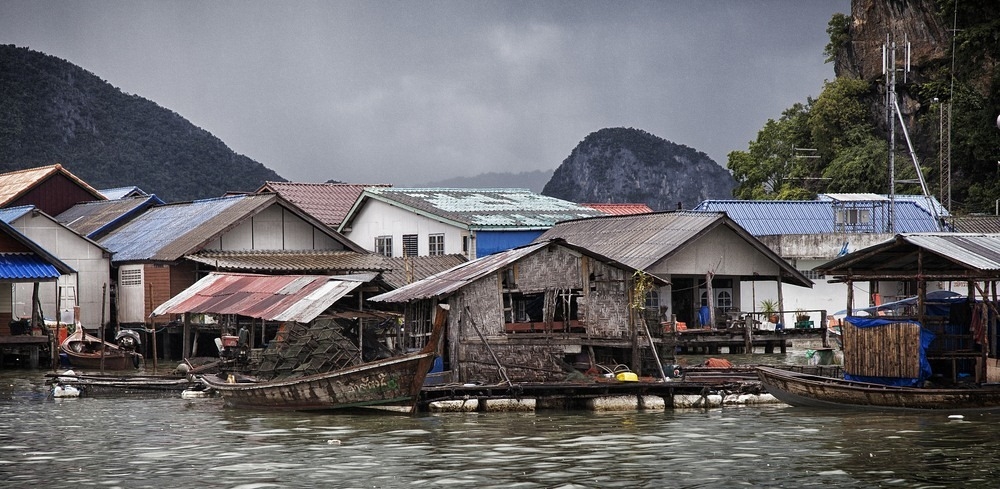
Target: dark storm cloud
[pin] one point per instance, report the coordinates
(408, 92)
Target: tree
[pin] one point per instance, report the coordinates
(766, 169)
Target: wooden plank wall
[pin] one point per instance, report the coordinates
(892, 350)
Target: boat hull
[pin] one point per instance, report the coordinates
(84, 352)
(393, 381)
(798, 389)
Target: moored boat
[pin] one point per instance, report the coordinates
(800, 389)
(393, 381)
(84, 351)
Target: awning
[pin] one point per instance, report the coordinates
(26, 267)
(270, 297)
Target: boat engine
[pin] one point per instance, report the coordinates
(128, 340)
(236, 348)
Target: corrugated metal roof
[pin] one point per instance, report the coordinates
(168, 232)
(639, 240)
(779, 217)
(11, 214)
(484, 208)
(620, 209)
(94, 219)
(27, 267)
(19, 244)
(449, 281)
(305, 261)
(956, 255)
(328, 202)
(123, 192)
(975, 224)
(406, 270)
(16, 183)
(775, 217)
(297, 298)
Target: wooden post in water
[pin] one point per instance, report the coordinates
(55, 338)
(104, 292)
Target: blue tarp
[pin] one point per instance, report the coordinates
(926, 337)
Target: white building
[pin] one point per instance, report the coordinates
(88, 287)
(435, 221)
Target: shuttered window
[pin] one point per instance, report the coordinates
(409, 245)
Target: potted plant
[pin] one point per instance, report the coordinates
(801, 315)
(770, 310)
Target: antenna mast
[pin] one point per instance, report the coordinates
(893, 111)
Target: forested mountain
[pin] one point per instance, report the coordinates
(625, 165)
(52, 111)
(949, 98)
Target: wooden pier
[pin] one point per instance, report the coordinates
(22, 347)
(695, 388)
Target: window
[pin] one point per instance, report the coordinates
(853, 216)
(653, 300)
(132, 276)
(383, 245)
(409, 245)
(435, 244)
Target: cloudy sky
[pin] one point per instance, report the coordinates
(407, 92)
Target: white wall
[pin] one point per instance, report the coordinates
(87, 258)
(275, 228)
(377, 218)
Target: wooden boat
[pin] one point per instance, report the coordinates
(125, 385)
(84, 352)
(395, 381)
(800, 389)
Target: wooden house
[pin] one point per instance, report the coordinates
(524, 314)
(704, 259)
(964, 328)
(87, 288)
(437, 221)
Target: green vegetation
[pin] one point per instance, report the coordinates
(845, 127)
(52, 111)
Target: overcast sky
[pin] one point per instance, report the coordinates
(416, 91)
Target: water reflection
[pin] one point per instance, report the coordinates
(199, 443)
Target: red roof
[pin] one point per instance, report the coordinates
(621, 209)
(272, 297)
(328, 202)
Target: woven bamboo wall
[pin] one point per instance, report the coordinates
(892, 350)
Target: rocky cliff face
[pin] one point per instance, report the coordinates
(915, 21)
(624, 165)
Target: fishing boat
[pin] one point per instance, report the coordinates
(394, 381)
(801, 389)
(84, 351)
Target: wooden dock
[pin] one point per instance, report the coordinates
(695, 388)
(22, 347)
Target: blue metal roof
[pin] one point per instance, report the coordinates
(26, 267)
(11, 214)
(146, 236)
(777, 217)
